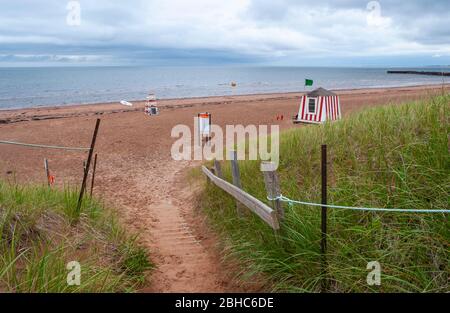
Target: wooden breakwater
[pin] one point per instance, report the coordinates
(420, 73)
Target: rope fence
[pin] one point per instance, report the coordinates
(332, 206)
(277, 214)
(43, 146)
(86, 168)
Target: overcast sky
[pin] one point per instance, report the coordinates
(253, 32)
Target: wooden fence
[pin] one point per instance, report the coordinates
(275, 215)
(272, 216)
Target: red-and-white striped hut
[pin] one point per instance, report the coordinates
(318, 106)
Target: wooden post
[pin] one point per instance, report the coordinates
(47, 172)
(323, 243)
(208, 180)
(93, 174)
(218, 169)
(272, 183)
(236, 178)
(86, 171)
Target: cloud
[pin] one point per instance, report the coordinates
(233, 31)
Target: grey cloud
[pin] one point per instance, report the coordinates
(261, 31)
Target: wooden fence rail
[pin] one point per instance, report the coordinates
(266, 213)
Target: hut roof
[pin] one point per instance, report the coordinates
(320, 92)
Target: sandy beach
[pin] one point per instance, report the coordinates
(138, 176)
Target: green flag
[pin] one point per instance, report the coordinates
(309, 82)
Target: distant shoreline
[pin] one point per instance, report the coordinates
(8, 116)
(269, 94)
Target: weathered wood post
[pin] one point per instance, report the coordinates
(218, 169)
(86, 171)
(236, 178)
(323, 243)
(93, 174)
(272, 183)
(208, 180)
(47, 172)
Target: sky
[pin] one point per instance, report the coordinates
(212, 32)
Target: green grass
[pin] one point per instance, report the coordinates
(390, 156)
(40, 232)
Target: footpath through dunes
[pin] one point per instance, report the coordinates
(135, 170)
(159, 208)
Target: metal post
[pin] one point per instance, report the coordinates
(323, 243)
(93, 174)
(86, 171)
(47, 172)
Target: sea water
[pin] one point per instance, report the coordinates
(48, 86)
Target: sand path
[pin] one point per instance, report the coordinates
(159, 206)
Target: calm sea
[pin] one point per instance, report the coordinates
(33, 87)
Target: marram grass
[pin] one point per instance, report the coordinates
(41, 232)
(392, 156)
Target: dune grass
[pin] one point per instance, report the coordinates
(392, 156)
(41, 232)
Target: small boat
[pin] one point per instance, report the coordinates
(123, 102)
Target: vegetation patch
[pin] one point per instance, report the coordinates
(41, 232)
(395, 156)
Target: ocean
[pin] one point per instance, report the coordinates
(34, 87)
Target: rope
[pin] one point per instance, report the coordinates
(42, 146)
(286, 199)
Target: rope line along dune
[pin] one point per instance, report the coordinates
(332, 206)
(43, 146)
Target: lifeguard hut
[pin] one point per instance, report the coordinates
(151, 106)
(318, 106)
